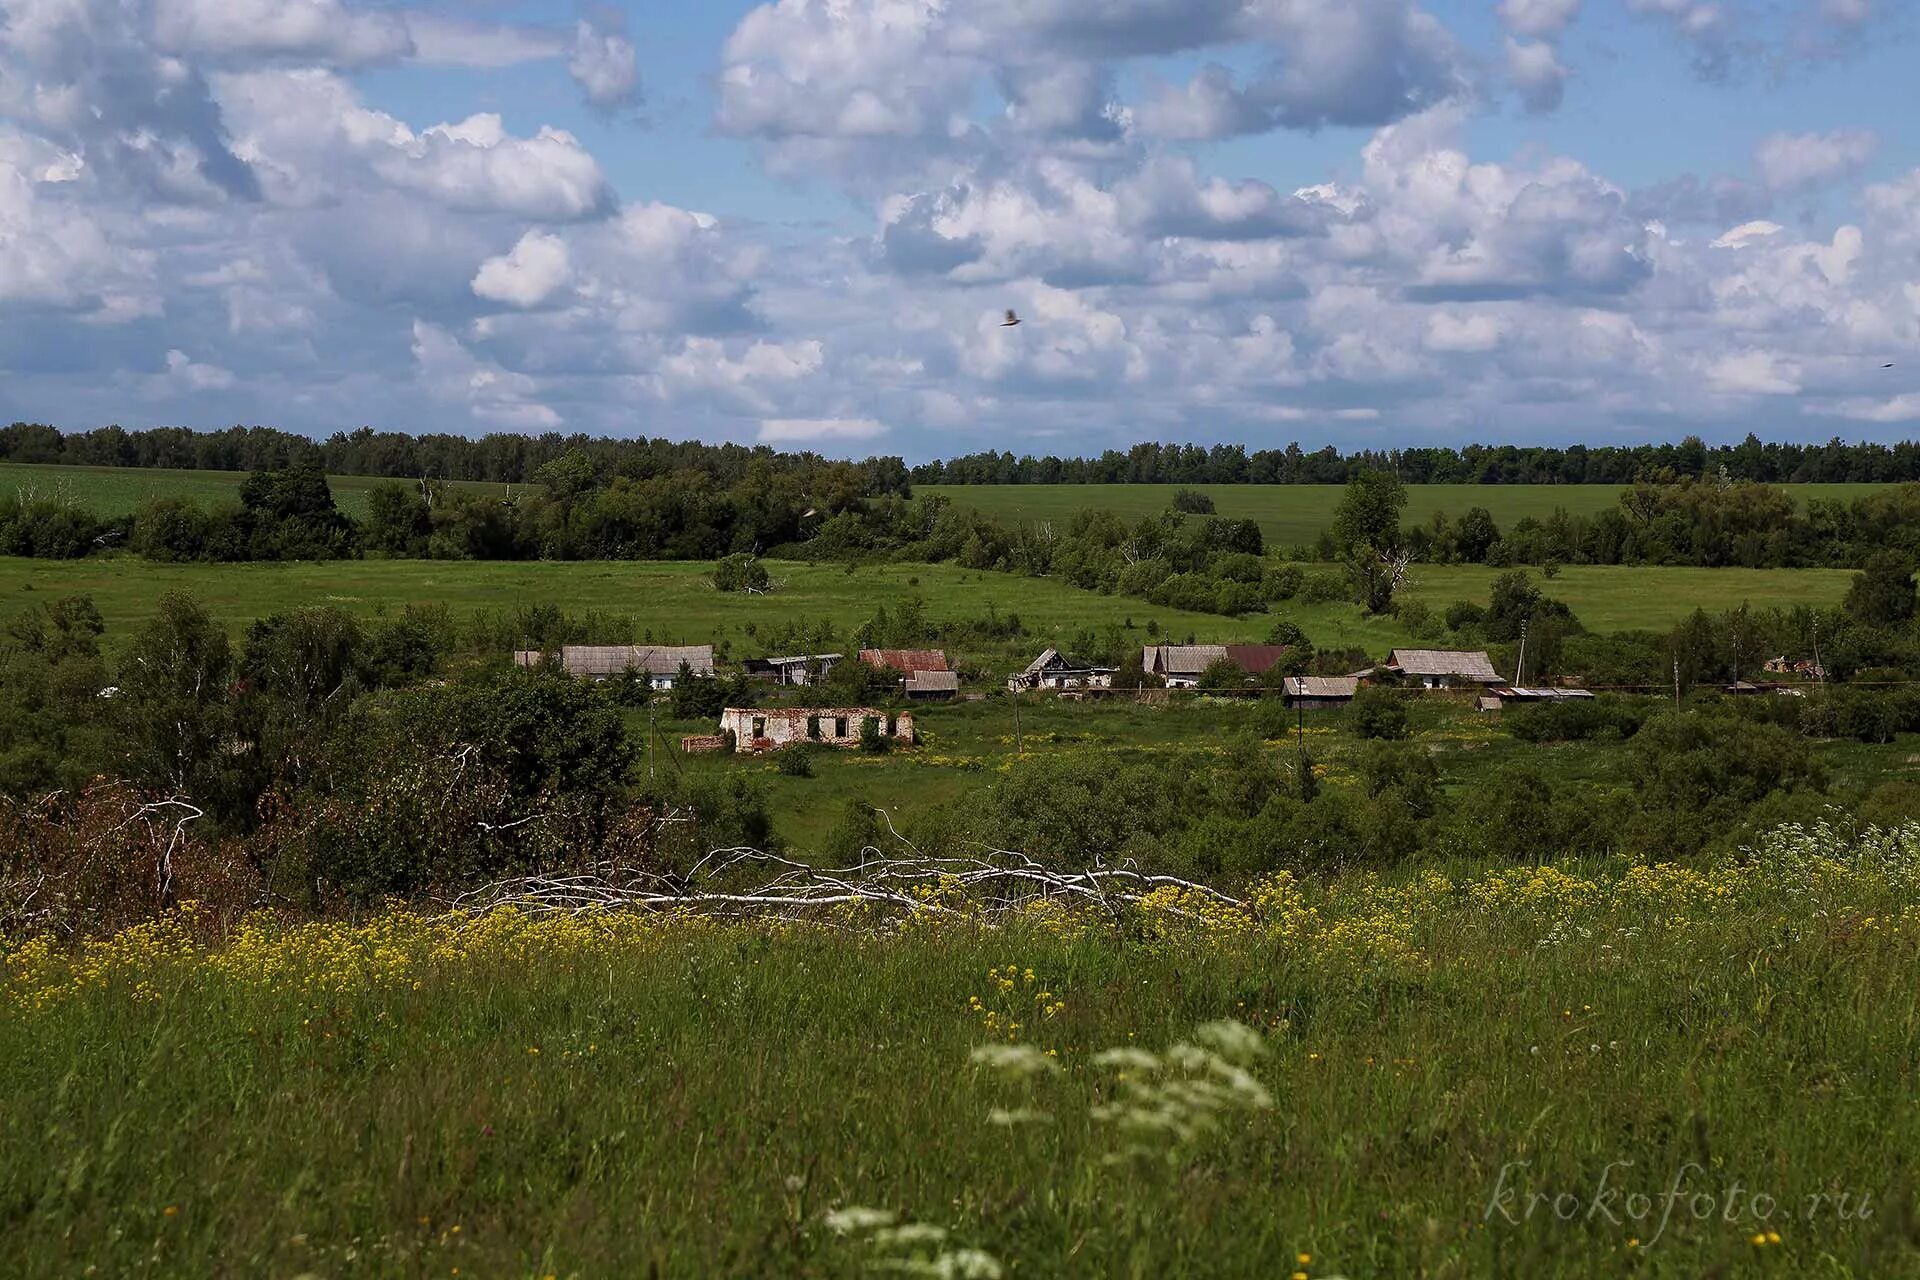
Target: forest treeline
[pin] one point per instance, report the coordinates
(500, 458)
(1835, 462)
(510, 458)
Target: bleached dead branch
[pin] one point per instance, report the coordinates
(752, 883)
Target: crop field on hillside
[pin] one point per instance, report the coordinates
(1295, 515)
(1712, 1065)
(676, 603)
(119, 490)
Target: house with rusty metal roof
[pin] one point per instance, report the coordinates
(905, 661)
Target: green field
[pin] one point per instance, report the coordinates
(1289, 515)
(967, 746)
(675, 602)
(119, 490)
(627, 1096)
(1295, 515)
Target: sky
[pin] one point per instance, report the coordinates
(1369, 223)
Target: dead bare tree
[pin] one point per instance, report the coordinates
(1398, 566)
(165, 823)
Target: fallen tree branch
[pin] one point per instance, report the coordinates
(752, 883)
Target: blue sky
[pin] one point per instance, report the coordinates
(1354, 221)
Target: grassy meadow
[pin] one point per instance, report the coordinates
(1713, 1066)
(119, 490)
(968, 747)
(1295, 515)
(676, 603)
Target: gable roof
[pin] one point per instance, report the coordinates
(1468, 665)
(933, 682)
(1054, 660)
(1321, 686)
(601, 660)
(1047, 658)
(1181, 659)
(905, 660)
(798, 660)
(1256, 659)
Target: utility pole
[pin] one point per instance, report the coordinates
(1014, 696)
(1299, 726)
(1676, 679)
(1520, 670)
(651, 776)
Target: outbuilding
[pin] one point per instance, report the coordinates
(1315, 692)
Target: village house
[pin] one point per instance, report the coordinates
(925, 675)
(1444, 668)
(905, 661)
(800, 670)
(660, 664)
(1182, 665)
(1055, 670)
(1311, 693)
(1256, 659)
(759, 729)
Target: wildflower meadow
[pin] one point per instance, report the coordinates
(1606, 1069)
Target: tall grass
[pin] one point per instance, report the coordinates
(628, 1096)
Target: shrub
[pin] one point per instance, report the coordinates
(794, 761)
(1192, 502)
(739, 573)
(1282, 582)
(1379, 713)
(1695, 774)
(1578, 721)
(1323, 588)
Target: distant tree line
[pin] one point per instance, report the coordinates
(501, 458)
(510, 458)
(1834, 462)
(1711, 522)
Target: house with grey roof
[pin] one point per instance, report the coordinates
(1181, 665)
(659, 663)
(933, 686)
(1314, 692)
(1445, 668)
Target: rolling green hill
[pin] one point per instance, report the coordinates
(118, 490)
(1292, 515)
